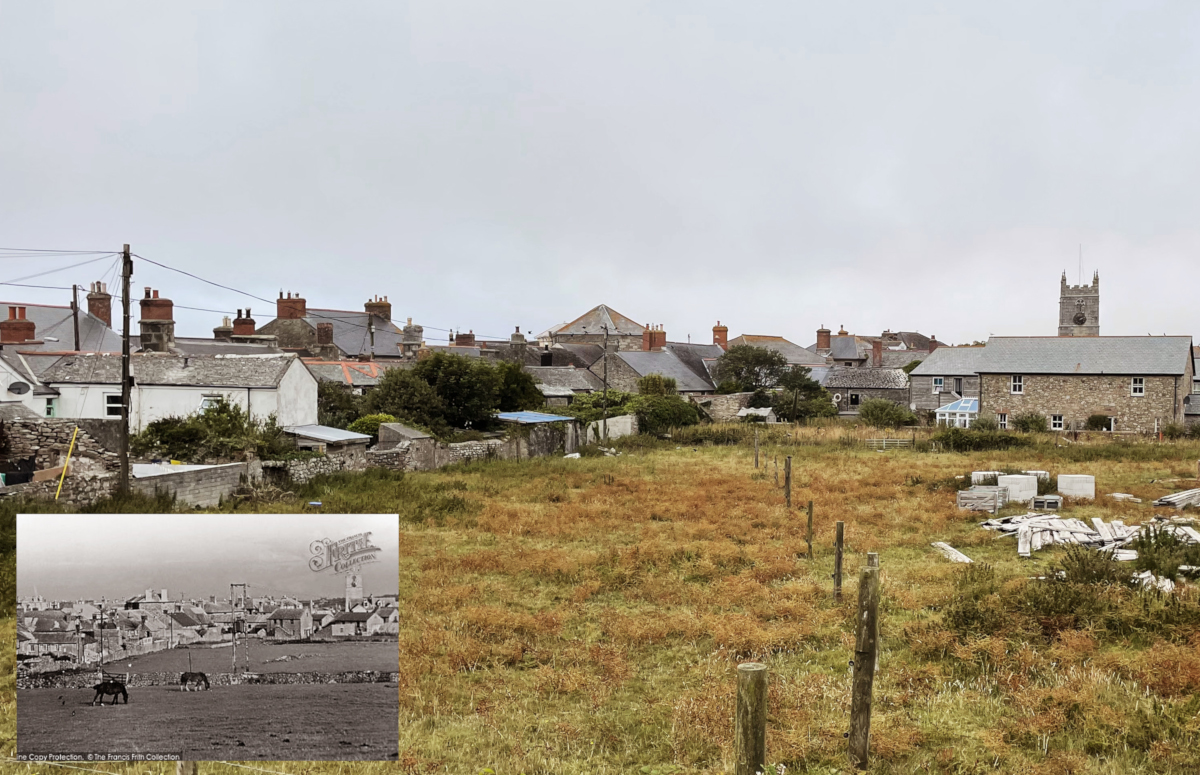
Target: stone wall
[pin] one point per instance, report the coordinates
(78, 489)
(302, 470)
(622, 425)
(721, 408)
(47, 441)
(199, 487)
(895, 395)
(87, 679)
(1078, 397)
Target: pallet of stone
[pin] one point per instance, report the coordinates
(1180, 499)
(981, 498)
(1035, 531)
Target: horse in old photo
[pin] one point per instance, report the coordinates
(115, 688)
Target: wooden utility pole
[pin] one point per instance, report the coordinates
(756, 448)
(837, 561)
(809, 533)
(126, 391)
(750, 725)
(864, 663)
(787, 479)
(75, 312)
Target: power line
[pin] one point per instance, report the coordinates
(59, 269)
(47, 250)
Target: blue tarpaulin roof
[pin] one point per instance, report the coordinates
(532, 417)
(961, 405)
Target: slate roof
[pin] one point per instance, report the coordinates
(184, 620)
(199, 346)
(853, 377)
(569, 377)
(582, 355)
(14, 411)
(466, 352)
(950, 360)
(353, 616)
(1134, 355)
(700, 358)
(668, 364)
(237, 371)
(794, 353)
(351, 333)
(593, 321)
(845, 348)
(57, 638)
(55, 321)
(353, 373)
(25, 372)
(288, 614)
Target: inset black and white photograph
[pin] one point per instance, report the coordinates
(212, 636)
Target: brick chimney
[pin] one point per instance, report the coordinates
(877, 353)
(465, 340)
(243, 325)
(224, 332)
(17, 328)
(100, 302)
(824, 339)
(379, 306)
(157, 323)
(933, 342)
(324, 333)
(721, 336)
(653, 337)
(290, 307)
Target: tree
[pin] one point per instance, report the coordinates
(369, 424)
(337, 407)
(752, 368)
(407, 397)
(518, 390)
(802, 397)
(469, 388)
(657, 385)
(658, 414)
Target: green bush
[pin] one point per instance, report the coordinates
(657, 385)
(658, 414)
(1174, 431)
(1029, 422)
(879, 413)
(985, 423)
(1162, 553)
(369, 424)
(589, 407)
(971, 440)
(222, 431)
(1098, 422)
(760, 399)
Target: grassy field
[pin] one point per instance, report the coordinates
(587, 616)
(267, 657)
(295, 722)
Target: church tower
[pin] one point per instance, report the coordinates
(1079, 308)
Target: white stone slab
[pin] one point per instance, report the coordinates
(977, 477)
(1022, 488)
(1077, 485)
(1043, 475)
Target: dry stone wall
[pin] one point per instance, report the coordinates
(89, 678)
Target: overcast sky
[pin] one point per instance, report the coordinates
(69, 556)
(929, 166)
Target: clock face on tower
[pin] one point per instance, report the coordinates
(1079, 318)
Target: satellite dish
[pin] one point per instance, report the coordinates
(19, 388)
(913, 406)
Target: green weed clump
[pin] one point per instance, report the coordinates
(1162, 553)
(223, 431)
(971, 440)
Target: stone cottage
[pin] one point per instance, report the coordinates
(850, 386)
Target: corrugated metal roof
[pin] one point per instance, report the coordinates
(1134, 355)
(325, 433)
(526, 418)
(961, 405)
(950, 360)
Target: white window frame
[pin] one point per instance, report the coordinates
(1056, 422)
(109, 405)
(938, 384)
(1137, 386)
(1016, 384)
(209, 399)
(1002, 421)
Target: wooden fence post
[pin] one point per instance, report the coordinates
(756, 449)
(864, 662)
(750, 726)
(776, 459)
(787, 479)
(837, 561)
(809, 534)
(185, 768)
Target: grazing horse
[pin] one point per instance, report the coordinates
(194, 679)
(115, 688)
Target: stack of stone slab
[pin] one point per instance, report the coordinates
(1035, 531)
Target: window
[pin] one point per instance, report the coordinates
(854, 399)
(112, 405)
(1018, 384)
(51, 409)
(1137, 386)
(209, 401)
(1002, 421)
(958, 385)
(938, 384)
(1056, 422)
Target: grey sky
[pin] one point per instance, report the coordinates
(776, 165)
(67, 556)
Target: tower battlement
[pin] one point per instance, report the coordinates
(1079, 308)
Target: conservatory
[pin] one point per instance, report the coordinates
(958, 414)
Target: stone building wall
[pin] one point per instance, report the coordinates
(47, 440)
(203, 487)
(1078, 397)
(77, 489)
(895, 395)
(721, 408)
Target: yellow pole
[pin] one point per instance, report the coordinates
(66, 464)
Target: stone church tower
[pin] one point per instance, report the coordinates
(1079, 308)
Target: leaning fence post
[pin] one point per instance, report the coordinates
(787, 479)
(185, 768)
(809, 534)
(756, 448)
(750, 725)
(864, 662)
(776, 460)
(837, 561)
